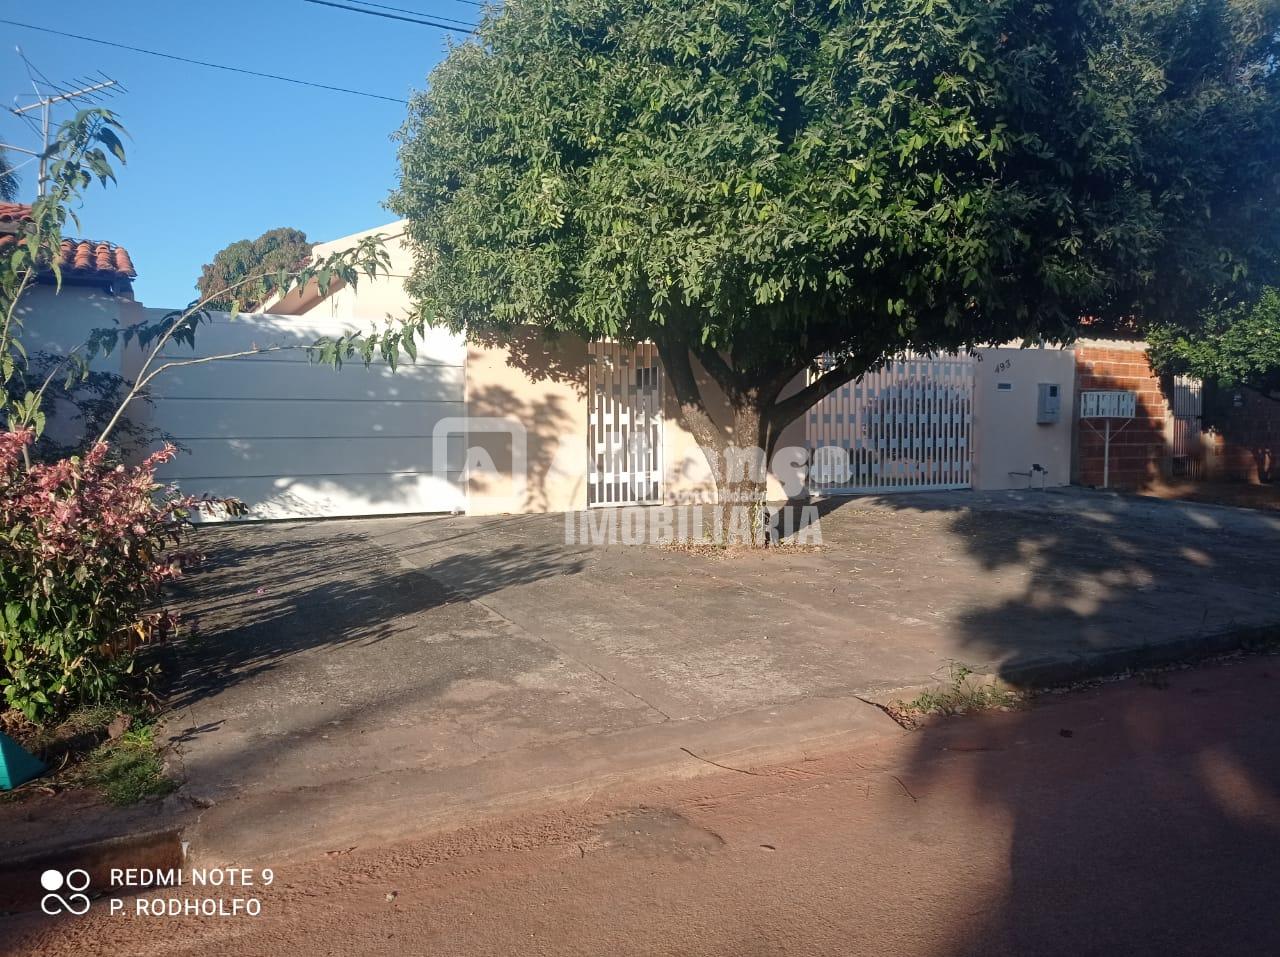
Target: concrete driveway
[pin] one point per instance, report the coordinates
(353, 680)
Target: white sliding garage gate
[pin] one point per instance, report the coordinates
(296, 440)
(907, 427)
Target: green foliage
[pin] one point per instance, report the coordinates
(1235, 345)
(128, 769)
(222, 283)
(8, 179)
(80, 152)
(82, 400)
(764, 182)
(86, 547)
(961, 694)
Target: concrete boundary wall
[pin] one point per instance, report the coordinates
(1007, 438)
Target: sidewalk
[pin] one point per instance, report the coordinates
(356, 681)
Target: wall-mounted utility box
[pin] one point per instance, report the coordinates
(1048, 403)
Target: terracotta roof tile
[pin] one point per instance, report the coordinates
(14, 212)
(81, 258)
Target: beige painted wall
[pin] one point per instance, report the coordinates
(372, 300)
(538, 387)
(1006, 436)
(542, 387)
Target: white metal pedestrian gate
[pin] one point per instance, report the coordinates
(907, 427)
(624, 425)
(1188, 408)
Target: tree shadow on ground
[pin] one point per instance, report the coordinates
(272, 592)
(1156, 829)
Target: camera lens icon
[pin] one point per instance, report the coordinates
(75, 880)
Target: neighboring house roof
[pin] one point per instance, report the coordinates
(81, 260)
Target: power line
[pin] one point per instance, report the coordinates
(393, 16)
(416, 13)
(206, 63)
(470, 3)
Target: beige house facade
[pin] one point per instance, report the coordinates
(536, 425)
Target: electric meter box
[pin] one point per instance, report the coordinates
(1049, 403)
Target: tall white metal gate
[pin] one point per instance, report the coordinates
(624, 425)
(907, 427)
(1187, 408)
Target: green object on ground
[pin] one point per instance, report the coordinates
(17, 765)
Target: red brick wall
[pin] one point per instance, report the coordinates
(1248, 437)
(1138, 451)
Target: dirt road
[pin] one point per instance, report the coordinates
(1139, 818)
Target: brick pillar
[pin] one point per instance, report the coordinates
(1140, 448)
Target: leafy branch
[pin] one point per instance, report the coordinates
(366, 259)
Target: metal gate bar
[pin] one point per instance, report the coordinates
(624, 425)
(1188, 408)
(905, 427)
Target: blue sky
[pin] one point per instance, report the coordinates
(215, 157)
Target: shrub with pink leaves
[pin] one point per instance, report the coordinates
(86, 547)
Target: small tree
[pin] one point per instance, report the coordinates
(770, 188)
(86, 542)
(1234, 345)
(79, 152)
(8, 179)
(223, 281)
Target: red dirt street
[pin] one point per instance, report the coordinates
(1142, 817)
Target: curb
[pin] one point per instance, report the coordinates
(20, 889)
(1065, 670)
(1046, 674)
(164, 847)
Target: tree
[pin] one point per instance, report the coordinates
(1234, 345)
(773, 187)
(8, 179)
(79, 152)
(84, 539)
(274, 250)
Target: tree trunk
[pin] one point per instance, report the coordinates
(736, 459)
(739, 459)
(743, 489)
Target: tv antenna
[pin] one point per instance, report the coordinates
(44, 97)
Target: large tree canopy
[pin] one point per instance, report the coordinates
(756, 184)
(273, 251)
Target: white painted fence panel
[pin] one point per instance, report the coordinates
(333, 419)
(624, 425)
(223, 334)
(269, 379)
(295, 440)
(906, 427)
